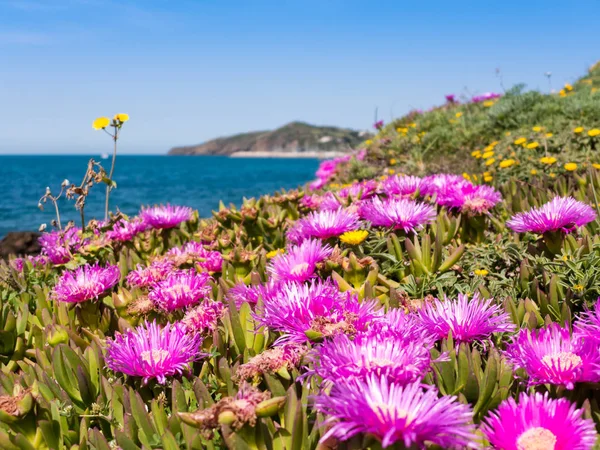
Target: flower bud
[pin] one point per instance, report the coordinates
(227, 418)
(269, 407)
(57, 335)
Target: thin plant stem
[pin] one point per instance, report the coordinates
(57, 214)
(110, 175)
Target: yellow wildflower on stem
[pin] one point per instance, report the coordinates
(100, 123)
(520, 141)
(490, 161)
(571, 167)
(507, 163)
(488, 154)
(594, 132)
(481, 272)
(354, 237)
(537, 129)
(578, 130)
(532, 145)
(548, 160)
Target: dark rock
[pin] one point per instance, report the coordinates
(20, 243)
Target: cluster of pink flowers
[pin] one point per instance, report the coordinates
(397, 213)
(323, 225)
(180, 290)
(59, 246)
(210, 261)
(299, 263)
(125, 230)
(147, 276)
(485, 97)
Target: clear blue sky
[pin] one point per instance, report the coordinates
(187, 71)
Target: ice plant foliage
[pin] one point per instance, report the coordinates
(180, 290)
(324, 225)
(318, 308)
(343, 358)
(165, 216)
(85, 283)
(300, 261)
(538, 422)
(151, 351)
(551, 355)
(468, 320)
(560, 214)
(403, 214)
(407, 414)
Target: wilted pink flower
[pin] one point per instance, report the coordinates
(397, 213)
(126, 230)
(318, 308)
(434, 184)
(147, 276)
(468, 198)
(469, 320)
(85, 283)
(165, 216)
(342, 358)
(59, 246)
(551, 355)
(180, 290)
(485, 96)
(323, 225)
(300, 261)
(150, 351)
(402, 185)
(204, 317)
(559, 214)
(311, 201)
(205, 259)
(274, 359)
(539, 422)
(410, 415)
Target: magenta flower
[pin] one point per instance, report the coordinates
(559, 214)
(434, 184)
(410, 415)
(397, 213)
(85, 283)
(241, 293)
(180, 290)
(210, 261)
(165, 216)
(551, 355)
(401, 185)
(342, 358)
(468, 198)
(311, 201)
(126, 230)
(37, 262)
(323, 225)
(300, 262)
(150, 351)
(204, 317)
(147, 276)
(318, 308)
(359, 189)
(469, 321)
(451, 98)
(587, 324)
(59, 246)
(486, 96)
(378, 125)
(399, 326)
(539, 422)
(329, 202)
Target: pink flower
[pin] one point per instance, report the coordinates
(165, 216)
(210, 261)
(559, 214)
(300, 262)
(59, 246)
(180, 290)
(125, 230)
(147, 276)
(85, 283)
(404, 214)
(401, 185)
(323, 225)
(204, 317)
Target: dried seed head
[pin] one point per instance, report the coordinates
(42, 227)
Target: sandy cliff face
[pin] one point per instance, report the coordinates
(293, 138)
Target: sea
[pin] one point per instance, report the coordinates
(196, 181)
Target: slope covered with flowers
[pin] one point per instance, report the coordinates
(388, 304)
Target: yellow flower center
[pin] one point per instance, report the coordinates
(563, 360)
(536, 438)
(154, 356)
(299, 268)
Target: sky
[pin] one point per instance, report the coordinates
(188, 71)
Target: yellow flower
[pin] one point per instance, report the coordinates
(393, 161)
(402, 130)
(391, 171)
(476, 154)
(507, 133)
(507, 163)
(488, 103)
(533, 172)
(594, 132)
(488, 154)
(537, 129)
(568, 87)
(100, 123)
(122, 117)
(493, 144)
(532, 145)
(354, 237)
(412, 125)
(562, 93)
(490, 161)
(466, 176)
(274, 253)
(549, 135)
(594, 89)
(578, 130)
(548, 160)
(458, 114)
(334, 185)
(488, 178)
(421, 134)
(578, 288)
(571, 167)
(475, 177)
(481, 272)
(596, 166)
(368, 142)
(520, 141)
(552, 175)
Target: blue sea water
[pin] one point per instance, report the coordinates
(196, 181)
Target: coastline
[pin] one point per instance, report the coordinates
(308, 154)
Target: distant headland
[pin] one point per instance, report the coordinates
(296, 139)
